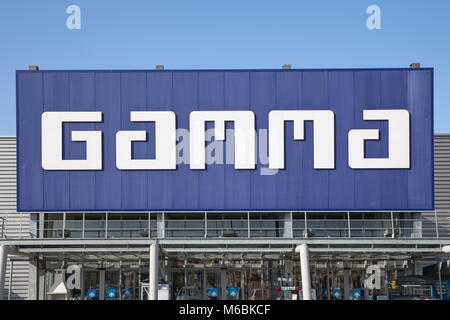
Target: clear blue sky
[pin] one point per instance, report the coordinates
(210, 34)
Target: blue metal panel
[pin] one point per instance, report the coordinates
(341, 181)
(30, 172)
(185, 99)
(289, 96)
(133, 97)
(367, 96)
(262, 100)
(108, 182)
(221, 187)
(81, 98)
(393, 181)
(211, 97)
(159, 97)
(56, 183)
(315, 97)
(237, 182)
(420, 183)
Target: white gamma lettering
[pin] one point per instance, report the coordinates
(244, 139)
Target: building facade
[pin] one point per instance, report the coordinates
(103, 199)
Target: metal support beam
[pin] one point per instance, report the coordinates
(392, 225)
(347, 293)
(3, 259)
(349, 225)
(436, 224)
(101, 294)
(223, 284)
(439, 265)
(11, 267)
(328, 282)
(248, 225)
(160, 226)
(153, 271)
(306, 278)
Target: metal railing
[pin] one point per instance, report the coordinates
(2, 225)
(248, 225)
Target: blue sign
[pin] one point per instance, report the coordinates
(356, 294)
(92, 293)
(232, 292)
(357, 139)
(126, 293)
(337, 293)
(111, 293)
(213, 292)
(444, 289)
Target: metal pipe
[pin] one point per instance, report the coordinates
(440, 280)
(328, 283)
(306, 278)
(204, 291)
(83, 228)
(248, 225)
(206, 225)
(392, 225)
(436, 224)
(3, 259)
(153, 272)
(106, 225)
(64, 225)
(3, 227)
(101, 294)
(11, 266)
(349, 225)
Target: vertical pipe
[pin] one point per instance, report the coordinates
(306, 224)
(262, 280)
(304, 263)
(83, 226)
(106, 225)
(3, 259)
(248, 224)
(440, 280)
(436, 223)
(349, 225)
(149, 225)
(11, 266)
(392, 225)
(328, 283)
(206, 224)
(41, 225)
(101, 294)
(64, 225)
(153, 272)
(346, 285)
(204, 295)
(120, 278)
(223, 283)
(242, 281)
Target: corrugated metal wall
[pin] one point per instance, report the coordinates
(441, 189)
(16, 225)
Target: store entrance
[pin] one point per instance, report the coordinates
(221, 283)
(110, 284)
(207, 283)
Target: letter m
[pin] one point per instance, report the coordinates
(323, 122)
(244, 136)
